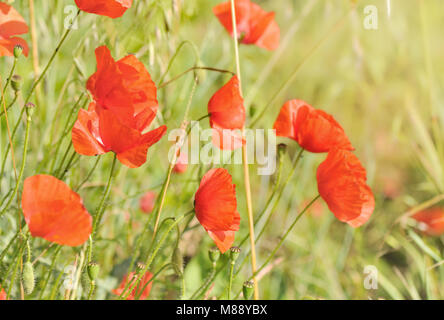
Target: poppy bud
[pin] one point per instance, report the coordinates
(252, 111)
(18, 49)
(214, 254)
(282, 149)
(16, 82)
(93, 270)
(234, 253)
(177, 261)
(29, 109)
(247, 289)
(28, 277)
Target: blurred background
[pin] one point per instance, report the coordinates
(384, 85)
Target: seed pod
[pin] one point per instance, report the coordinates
(177, 260)
(214, 254)
(234, 253)
(29, 109)
(28, 277)
(248, 289)
(18, 49)
(16, 82)
(93, 270)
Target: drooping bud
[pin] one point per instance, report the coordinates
(16, 82)
(18, 49)
(247, 289)
(93, 270)
(214, 254)
(28, 277)
(282, 149)
(234, 253)
(177, 260)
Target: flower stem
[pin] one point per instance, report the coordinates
(101, 208)
(245, 162)
(230, 283)
(22, 169)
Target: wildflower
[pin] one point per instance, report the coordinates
(124, 106)
(216, 207)
(254, 25)
(54, 212)
(342, 184)
(314, 130)
(109, 8)
(11, 24)
(431, 221)
(227, 116)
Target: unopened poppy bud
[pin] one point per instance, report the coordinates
(282, 149)
(252, 111)
(214, 254)
(29, 109)
(18, 49)
(93, 270)
(140, 267)
(234, 253)
(247, 289)
(16, 82)
(177, 260)
(28, 277)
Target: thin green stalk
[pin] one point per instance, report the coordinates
(15, 269)
(230, 282)
(203, 288)
(192, 69)
(22, 169)
(278, 246)
(51, 59)
(49, 272)
(10, 104)
(8, 81)
(151, 257)
(101, 207)
(8, 148)
(88, 176)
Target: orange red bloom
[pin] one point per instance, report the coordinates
(227, 116)
(54, 212)
(254, 25)
(216, 207)
(342, 184)
(136, 291)
(147, 202)
(431, 221)
(11, 24)
(124, 106)
(2, 294)
(109, 8)
(314, 130)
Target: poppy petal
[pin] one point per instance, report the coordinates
(109, 8)
(54, 212)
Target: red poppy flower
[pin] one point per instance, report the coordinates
(54, 212)
(147, 202)
(11, 24)
(254, 25)
(342, 184)
(431, 221)
(2, 294)
(136, 291)
(98, 131)
(125, 88)
(109, 8)
(314, 130)
(216, 207)
(227, 116)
